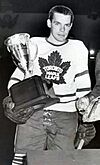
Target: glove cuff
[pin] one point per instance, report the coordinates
(90, 96)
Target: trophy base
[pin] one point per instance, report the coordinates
(32, 92)
(39, 103)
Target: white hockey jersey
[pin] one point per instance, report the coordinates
(66, 66)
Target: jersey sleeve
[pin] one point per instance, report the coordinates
(16, 77)
(82, 77)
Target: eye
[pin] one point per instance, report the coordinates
(56, 23)
(68, 25)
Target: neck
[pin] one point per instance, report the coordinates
(52, 40)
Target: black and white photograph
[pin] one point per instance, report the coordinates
(49, 82)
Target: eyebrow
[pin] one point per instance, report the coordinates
(60, 22)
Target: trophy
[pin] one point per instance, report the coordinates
(34, 92)
(23, 51)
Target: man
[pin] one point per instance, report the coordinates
(88, 107)
(64, 62)
(92, 97)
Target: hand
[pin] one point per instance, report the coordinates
(47, 82)
(90, 132)
(8, 103)
(82, 104)
(19, 116)
(86, 132)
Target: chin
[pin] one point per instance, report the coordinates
(64, 40)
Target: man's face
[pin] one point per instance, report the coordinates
(59, 27)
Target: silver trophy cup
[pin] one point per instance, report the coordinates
(21, 50)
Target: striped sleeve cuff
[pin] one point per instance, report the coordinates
(19, 159)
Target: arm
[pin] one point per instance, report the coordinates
(82, 78)
(20, 115)
(85, 131)
(96, 89)
(82, 104)
(16, 77)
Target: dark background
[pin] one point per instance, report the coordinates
(30, 16)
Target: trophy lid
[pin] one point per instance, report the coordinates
(17, 39)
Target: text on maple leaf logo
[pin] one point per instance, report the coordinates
(52, 72)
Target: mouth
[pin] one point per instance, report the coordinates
(61, 35)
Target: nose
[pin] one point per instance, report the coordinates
(62, 28)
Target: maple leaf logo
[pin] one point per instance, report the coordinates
(54, 69)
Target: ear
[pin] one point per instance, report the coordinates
(71, 25)
(49, 23)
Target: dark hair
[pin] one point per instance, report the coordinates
(61, 9)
